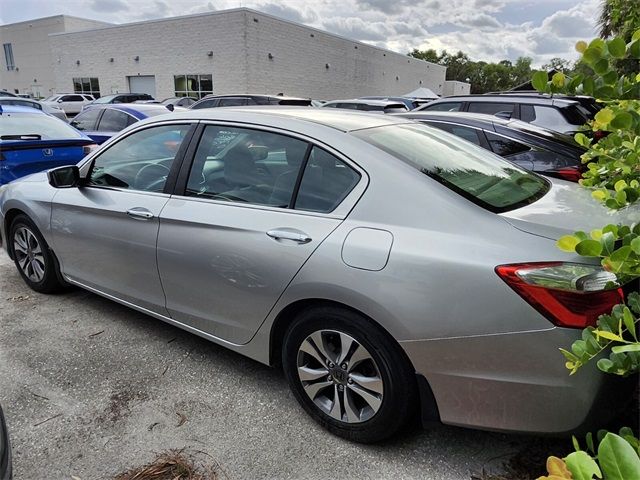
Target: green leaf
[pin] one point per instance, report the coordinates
(582, 139)
(622, 120)
(621, 254)
(590, 446)
(617, 458)
(608, 335)
(604, 364)
(620, 185)
(589, 248)
(582, 466)
(558, 79)
(634, 37)
(567, 243)
(634, 49)
(607, 240)
(617, 47)
(635, 245)
(629, 322)
(539, 80)
(604, 116)
(634, 347)
(601, 66)
(592, 55)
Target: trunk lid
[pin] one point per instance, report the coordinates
(567, 208)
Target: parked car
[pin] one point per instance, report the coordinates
(5, 449)
(101, 122)
(534, 148)
(71, 103)
(587, 102)
(185, 102)
(5, 93)
(385, 264)
(53, 110)
(558, 114)
(120, 98)
(372, 106)
(212, 101)
(32, 141)
(410, 103)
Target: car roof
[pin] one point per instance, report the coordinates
(486, 97)
(343, 120)
(138, 110)
(361, 101)
(17, 109)
(279, 97)
(477, 119)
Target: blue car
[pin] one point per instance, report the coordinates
(101, 122)
(32, 141)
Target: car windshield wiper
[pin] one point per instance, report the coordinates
(24, 136)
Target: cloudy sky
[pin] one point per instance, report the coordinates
(488, 30)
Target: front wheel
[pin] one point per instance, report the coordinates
(348, 374)
(32, 256)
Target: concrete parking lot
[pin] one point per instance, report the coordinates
(91, 389)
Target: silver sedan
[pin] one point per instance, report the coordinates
(395, 271)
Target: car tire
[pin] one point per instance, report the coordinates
(32, 256)
(320, 377)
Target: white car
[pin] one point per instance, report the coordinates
(51, 109)
(71, 103)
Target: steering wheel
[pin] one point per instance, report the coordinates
(151, 177)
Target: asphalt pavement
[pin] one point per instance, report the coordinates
(91, 389)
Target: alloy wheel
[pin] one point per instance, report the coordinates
(28, 254)
(340, 376)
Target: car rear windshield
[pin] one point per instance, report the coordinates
(105, 99)
(49, 128)
(469, 170)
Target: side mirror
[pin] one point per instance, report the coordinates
(170, 107)
(59, 100)
(64, 177)
(258, 152)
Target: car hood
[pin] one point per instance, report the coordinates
(567, 208)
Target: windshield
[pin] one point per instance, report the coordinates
(52, 98)
(25, 124)
(105, 99)
(469, 170)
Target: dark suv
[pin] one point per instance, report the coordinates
(559, 114)
(123, 98)
(211, 101)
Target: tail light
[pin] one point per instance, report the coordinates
(571, 174)
(87, 149)
(568, 294)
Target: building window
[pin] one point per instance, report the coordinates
(8, 56)
(87, 85)
(193, 85)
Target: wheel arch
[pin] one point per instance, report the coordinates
(9, 217)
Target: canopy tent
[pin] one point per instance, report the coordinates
(421, 92)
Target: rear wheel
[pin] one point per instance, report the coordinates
(32, 256)
(348, 374)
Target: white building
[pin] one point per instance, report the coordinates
(231, 51)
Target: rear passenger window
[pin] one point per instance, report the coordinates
(504, 146)
(86, 121)
(114, 121)
(551, 118)
(243, 165)
(490, 108)
(232, 102)
(205, 104)
(325, 183)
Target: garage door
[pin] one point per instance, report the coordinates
(143, 84)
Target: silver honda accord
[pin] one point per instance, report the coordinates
(396, 272)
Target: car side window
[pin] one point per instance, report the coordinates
(246, 166)
(140, 161)
(205, 104)
(504, 146)
(444, 107)
(491, 108)
(548, 117)
(114, 121)
(326, 182)
(232, 102)
(86, 121)
(468, 133)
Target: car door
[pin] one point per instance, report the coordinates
(231, 241)
(87, 122)
(105, 232)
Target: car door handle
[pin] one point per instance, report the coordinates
(139, 212)
(298, 237)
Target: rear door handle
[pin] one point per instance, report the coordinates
(140, 213)
(281, 234)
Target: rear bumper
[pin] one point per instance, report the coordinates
(513, 382)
